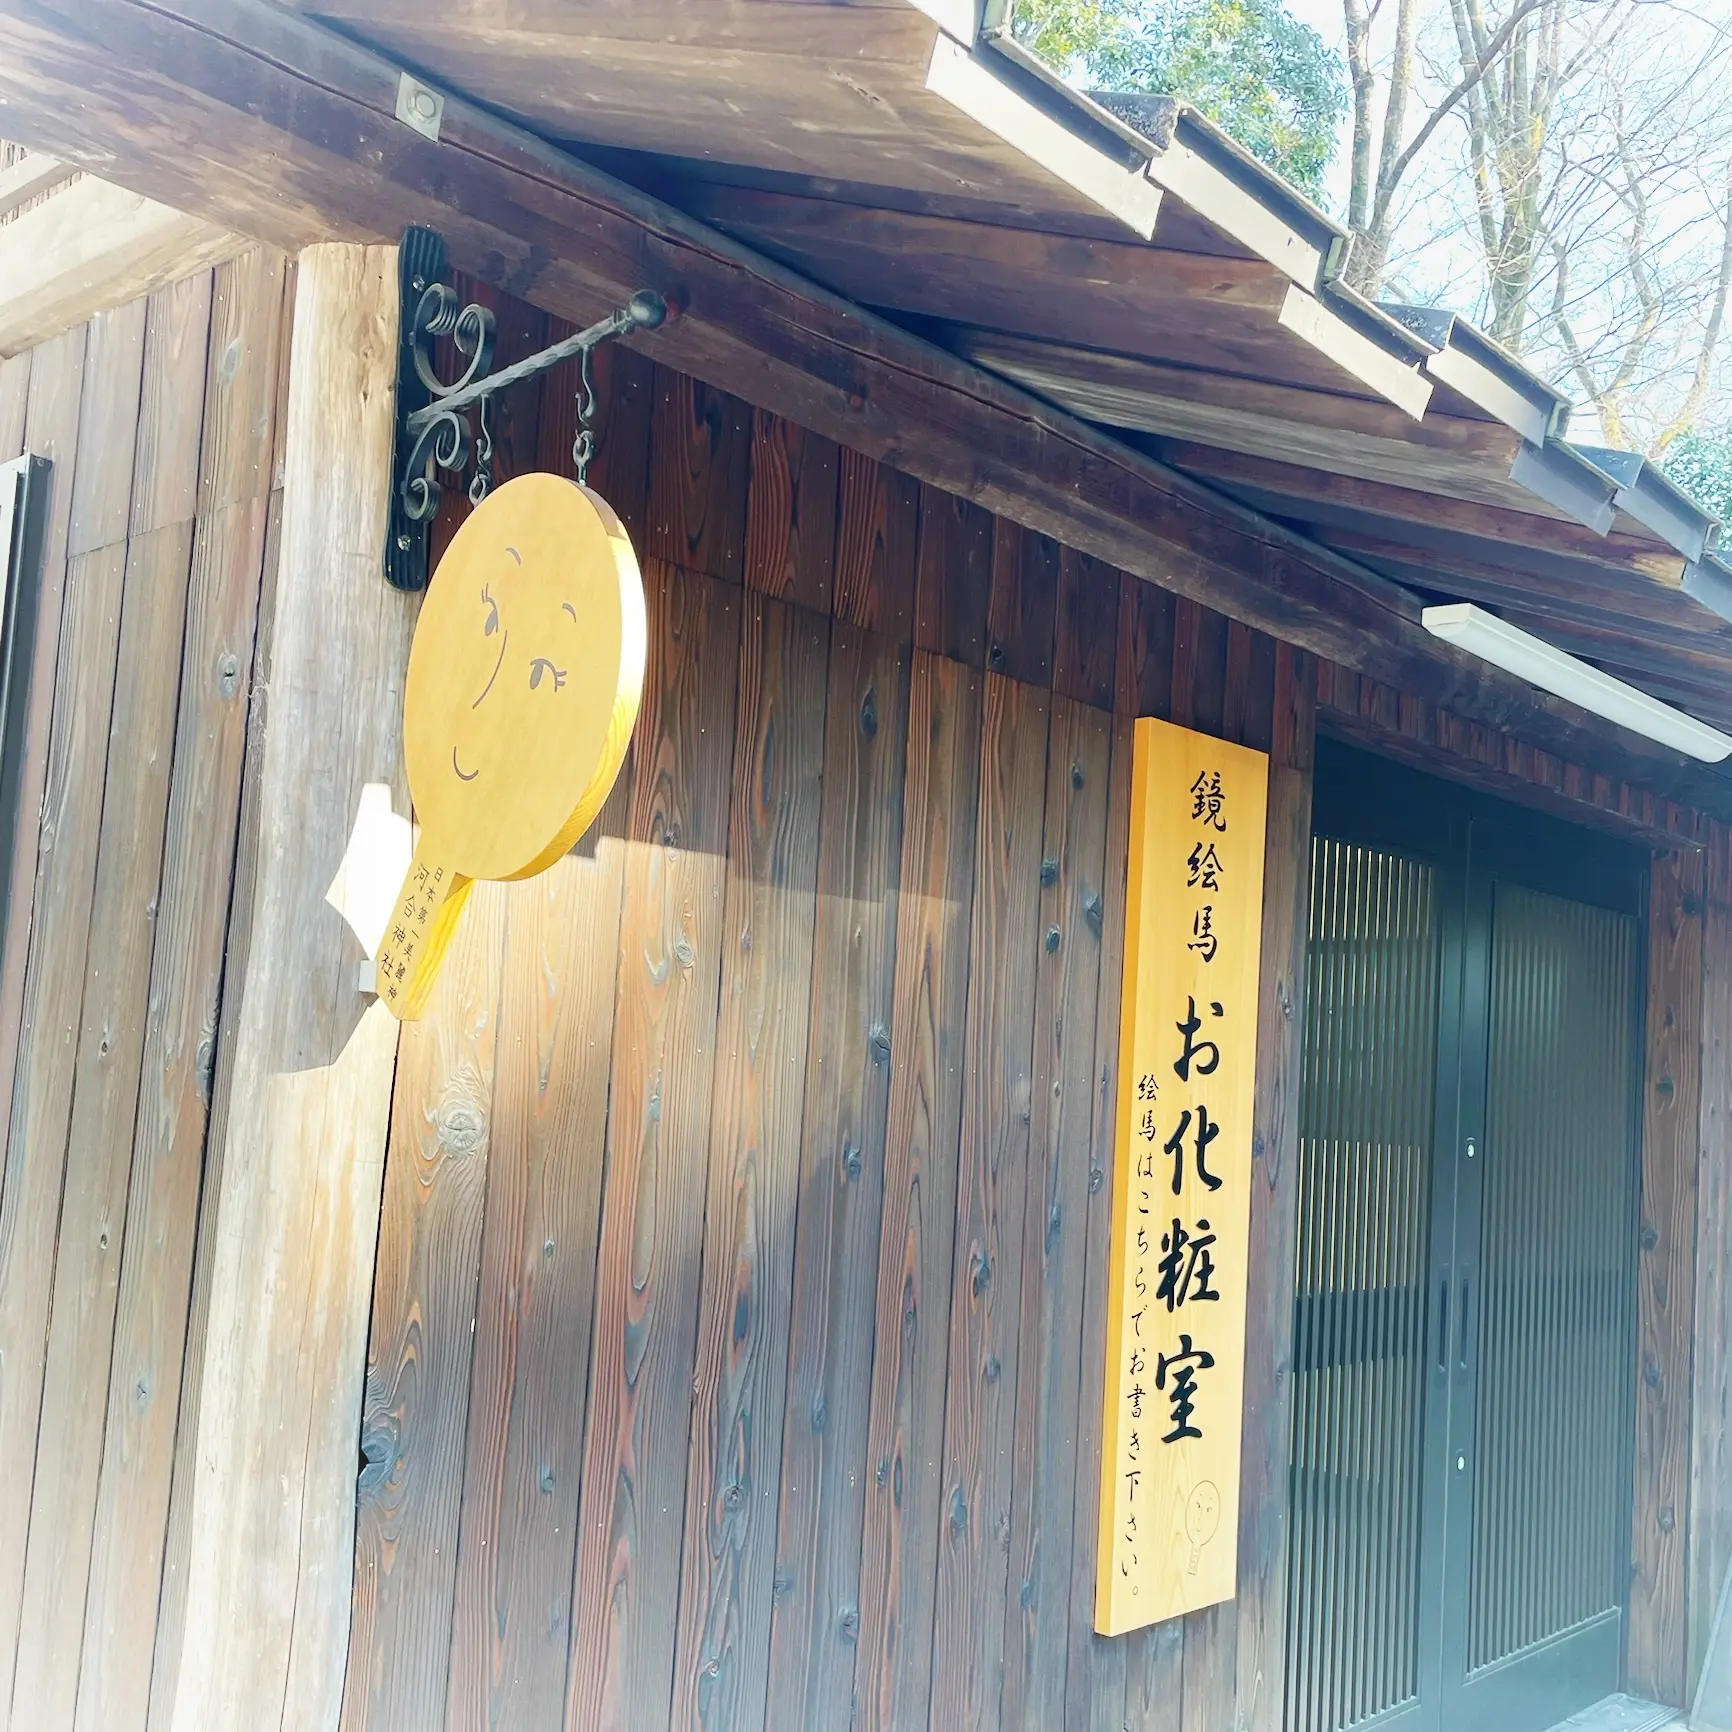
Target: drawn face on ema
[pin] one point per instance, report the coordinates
(1203, 1513)
(524, 678)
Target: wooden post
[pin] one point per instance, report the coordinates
(278, 1415)
(1657, 1640)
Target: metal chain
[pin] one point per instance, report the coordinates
(583, 446)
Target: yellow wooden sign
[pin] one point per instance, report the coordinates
(523, 689)
(1169, 1511)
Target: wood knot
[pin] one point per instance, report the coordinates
(992, 1370)
(1049, 871)
(1093, 913)
(545, 1478)
(979, 1272)
(1052, 940)
(1097, 1178)
(851, 1161)
(462, 1128)
(869, 713)
(878, 1039)
(848, 1625)
(1076, 776)
(958, 1512)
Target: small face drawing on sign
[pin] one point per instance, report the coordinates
(1202, 1520)
(523, 678)
(523, 643)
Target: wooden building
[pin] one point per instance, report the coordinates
(699, 1318)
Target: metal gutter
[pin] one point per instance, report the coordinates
(1567, 483)
(1655, 503)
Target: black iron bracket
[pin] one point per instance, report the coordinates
(434, 429)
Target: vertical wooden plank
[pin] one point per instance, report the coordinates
(1709, 1547)
(48, 923)
(986, 1271)
(1022, 617)
(109, 1054)
(848, 1063)
(1085, 659)
(702, 439)
(734, 1468)
(14, 402)
(512, 1619)
(415, 1412)
(1055, 1223)
(631, 1514)
(1095, 1667)
(53, 413)
(271, 1546)
(893, 1674)
(1666, 1291)
(791, 514)
(1146, 625)
(1208, 672)
(164, 1668)
(953, 584)
(1186, 643)
(108, 1051)
(1238, 675)
(1263, 1493)
(171, 405)
(186, 968)
(1262, 677)
(1155, 1678)
(877, 546)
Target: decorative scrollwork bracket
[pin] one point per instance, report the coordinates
(433, 415)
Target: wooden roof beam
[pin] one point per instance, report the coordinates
(264, 123)
(1288, 489)
(90, 247)
(29, 177)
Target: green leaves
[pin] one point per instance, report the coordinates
(1249, 65)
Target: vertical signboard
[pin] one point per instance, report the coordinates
(1169, 1515)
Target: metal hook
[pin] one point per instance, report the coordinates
(482, 483)
(583, 446)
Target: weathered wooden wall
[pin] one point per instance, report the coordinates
(738, 1317)
(736, 1341)
(161, 420)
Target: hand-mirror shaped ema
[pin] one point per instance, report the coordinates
(523, 688)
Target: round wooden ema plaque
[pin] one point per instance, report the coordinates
(523, 688)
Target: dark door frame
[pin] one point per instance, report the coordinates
(1477, 840)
